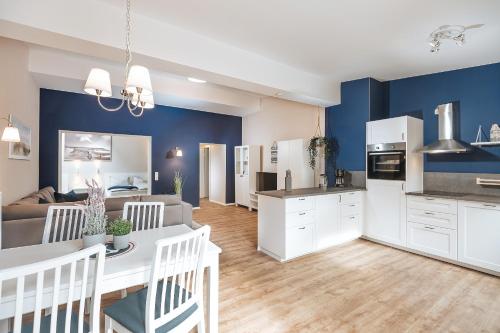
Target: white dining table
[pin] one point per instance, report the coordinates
(127, 270)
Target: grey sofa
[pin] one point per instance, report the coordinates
(23, 224)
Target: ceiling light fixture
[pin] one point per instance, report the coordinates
(137, 91)
(454, 33)
(195, 80)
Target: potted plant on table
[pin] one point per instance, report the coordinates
(94, 231)
(121, 228)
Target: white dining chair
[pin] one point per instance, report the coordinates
(173, 301)
(144, 215)
(50, 283)
(63, 223)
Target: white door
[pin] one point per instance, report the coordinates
(217, 182)
(479, 234)
(386, 130)
(327, 220)
(385, 218)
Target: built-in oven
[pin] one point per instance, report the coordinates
(386, 161)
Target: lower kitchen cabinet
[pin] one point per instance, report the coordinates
(437, 241)
(292, 227)
(479, 234)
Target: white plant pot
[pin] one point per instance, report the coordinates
(121, 242)
(92, 240)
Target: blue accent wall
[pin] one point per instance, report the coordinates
(169, 127)
(475, 91)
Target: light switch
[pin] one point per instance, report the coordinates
(156, 176)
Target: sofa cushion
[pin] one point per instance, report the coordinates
(18, 212)
(46, 194)
(169, 200)
(114, 204)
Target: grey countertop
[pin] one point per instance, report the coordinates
(459, 196)
(307, 192)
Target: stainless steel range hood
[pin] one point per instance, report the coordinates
(446, 143)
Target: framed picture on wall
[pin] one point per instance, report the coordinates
(81, 146)
(21, 150)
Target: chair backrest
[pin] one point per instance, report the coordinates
(144, 215)
(63, 223)
(177, 274)
(49, 283)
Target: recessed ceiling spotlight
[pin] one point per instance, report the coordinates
(195, 80)
(454, 33)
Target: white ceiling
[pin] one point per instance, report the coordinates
(341, 40)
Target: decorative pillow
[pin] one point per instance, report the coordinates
(47, 194)
(70, 196)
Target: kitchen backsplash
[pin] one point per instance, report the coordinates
(444, 181)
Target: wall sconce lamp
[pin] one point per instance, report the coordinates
(10, 133)
(177, 152)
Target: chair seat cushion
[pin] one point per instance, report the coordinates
(130, 311)
(61, 321)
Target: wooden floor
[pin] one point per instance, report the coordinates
(357, 287)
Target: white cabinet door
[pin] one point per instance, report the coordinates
(327, 220)
(283, 163)
(386, 131)
(479, 234)
(299, 240)
(433, 240)
(385, 217)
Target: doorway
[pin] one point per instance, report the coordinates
(213, 172)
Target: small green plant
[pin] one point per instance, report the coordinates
(120, 227)
(178, 183)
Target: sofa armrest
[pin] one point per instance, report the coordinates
(187, 213)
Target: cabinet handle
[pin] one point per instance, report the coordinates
(403, 136)
(353, 205)
(302, 214)
(430, 228)
(302, 199)
(352, 218)
(429, 199)
(429, 213)
(340, 198)
(489, 205)
(302, 228)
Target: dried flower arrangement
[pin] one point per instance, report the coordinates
(95, 217)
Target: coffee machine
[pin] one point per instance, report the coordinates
(340, 180)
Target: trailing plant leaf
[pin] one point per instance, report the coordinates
(317, 142)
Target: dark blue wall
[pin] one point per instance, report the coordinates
(168, 126)
(476, 91)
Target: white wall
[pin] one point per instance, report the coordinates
(217, 183)
(280, 120)
(130, 156)
(19, 95)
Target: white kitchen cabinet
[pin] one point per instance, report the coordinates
(327, 220)
(385, 215)
(386, 131)
(479, 234)
(292, 155)
(246, 165)
(432, 240)
(433, 204)
(291, 227)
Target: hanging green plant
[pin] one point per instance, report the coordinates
(315, 144)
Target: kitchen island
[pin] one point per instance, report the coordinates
(301, 221)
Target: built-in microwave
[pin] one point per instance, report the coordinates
(386, 161)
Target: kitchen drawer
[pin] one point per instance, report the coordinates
(348, 209)
(436, 219)
(299, 240)
(299, 218)
(299, 204)
(432, 204)
(350, 223)
(437, 241)
(350, 197)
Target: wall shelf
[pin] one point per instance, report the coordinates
(486, 144)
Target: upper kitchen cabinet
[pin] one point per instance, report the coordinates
(386, 131)
(292, 155)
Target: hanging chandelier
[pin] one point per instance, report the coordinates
(137, 92)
